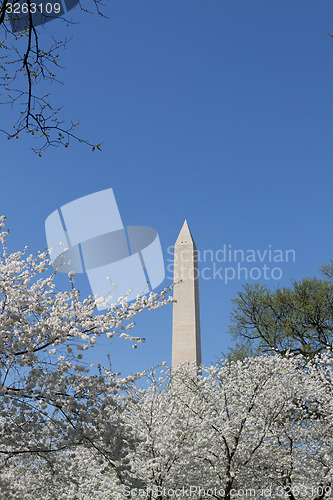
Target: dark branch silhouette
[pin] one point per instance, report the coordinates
(25, 68)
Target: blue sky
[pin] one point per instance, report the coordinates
(215, 111)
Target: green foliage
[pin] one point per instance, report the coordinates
(298, 318)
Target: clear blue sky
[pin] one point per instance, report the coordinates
(212, 110)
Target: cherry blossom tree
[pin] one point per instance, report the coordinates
(51, 400)
(258, 428)
(261, 427)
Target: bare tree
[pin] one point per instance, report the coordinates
(29, 60)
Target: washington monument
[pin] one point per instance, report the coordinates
(186, 343)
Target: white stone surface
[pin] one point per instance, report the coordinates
(186, 343)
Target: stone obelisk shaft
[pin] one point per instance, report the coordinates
(186, 343)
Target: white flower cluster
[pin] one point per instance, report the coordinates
(50, 403)
(264, 424)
